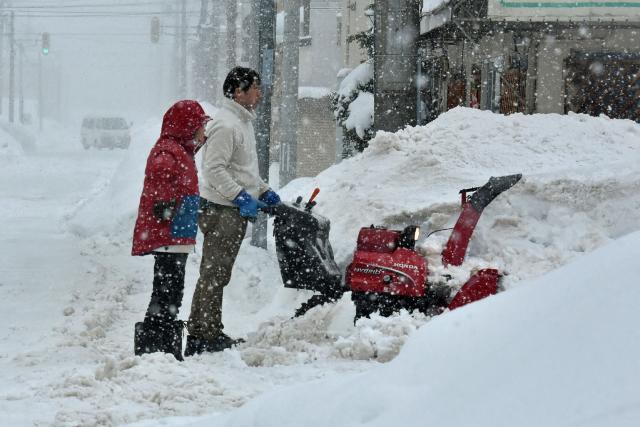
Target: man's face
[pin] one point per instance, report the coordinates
(250, 98)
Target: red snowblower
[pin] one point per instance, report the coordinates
(386, 273)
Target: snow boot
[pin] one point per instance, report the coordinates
(165, 338)
(197, 345)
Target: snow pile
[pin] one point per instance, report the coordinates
(354, 94)
(563, 349)
(20, 134)
(563, 207)
(359, 76)
(430, 6)
(10, 149)
(315, 92)
(321, 335)
(360, 113)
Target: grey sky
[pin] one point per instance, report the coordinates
(101, 57)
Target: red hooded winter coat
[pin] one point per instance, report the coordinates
(171, 174)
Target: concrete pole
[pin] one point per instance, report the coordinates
(289, 109)
(1, 58)
(183, 50)
(397, 26)
(251, 32)
(214, 85)
(232, 16)
(266, 15)
(174, 63)
(21, 84)
(201, 60)
(40, 97)
(12, 71)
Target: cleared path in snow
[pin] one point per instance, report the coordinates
(40, 265)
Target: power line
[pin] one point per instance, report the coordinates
(57, 5)
(37, 33)
(68, 6)
(96, 14)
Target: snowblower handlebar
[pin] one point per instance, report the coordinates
(276, 209)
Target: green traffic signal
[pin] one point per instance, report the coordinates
(45, 43)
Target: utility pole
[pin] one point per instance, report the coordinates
(232, 16)
(266, 14)
(289, 108)
(183, 49)
(1, 56)
(201, 61)
(397, 24)
(12, 72)
(40, 98)
(21, 85)
(214, 83)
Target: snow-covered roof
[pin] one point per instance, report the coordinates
(429, 6)
(313, 92)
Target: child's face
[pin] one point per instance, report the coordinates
(199, 136)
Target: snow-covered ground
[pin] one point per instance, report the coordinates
(558, 347)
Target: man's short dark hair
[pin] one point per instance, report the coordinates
(239, 78)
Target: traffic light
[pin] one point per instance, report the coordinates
(155, 29)
(45, 43)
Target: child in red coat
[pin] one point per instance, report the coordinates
(166, 225)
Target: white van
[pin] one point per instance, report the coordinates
(108, 132)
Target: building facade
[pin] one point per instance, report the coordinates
(531, 57)
(320, 59)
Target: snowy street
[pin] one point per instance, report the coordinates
(42, 272)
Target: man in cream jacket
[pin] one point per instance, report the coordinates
(231, 194)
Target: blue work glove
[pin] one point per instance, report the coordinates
(248, 205)
(270, 197)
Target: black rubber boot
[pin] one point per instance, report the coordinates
(196, 345)
(152, 339)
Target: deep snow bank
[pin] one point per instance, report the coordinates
(576, 169)
(563, 349)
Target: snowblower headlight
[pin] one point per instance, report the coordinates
(416, 236)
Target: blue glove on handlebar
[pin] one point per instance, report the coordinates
(270, 197)
(248, 205)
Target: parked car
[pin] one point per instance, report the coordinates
(105, 132)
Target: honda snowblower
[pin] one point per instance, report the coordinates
(386, 273)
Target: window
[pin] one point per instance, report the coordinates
(306, 16)
(112, 123)
(305, 23)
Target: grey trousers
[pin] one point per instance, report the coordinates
(223, 230)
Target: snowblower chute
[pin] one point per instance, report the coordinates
(472, 208)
